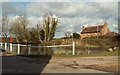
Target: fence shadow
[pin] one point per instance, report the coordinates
(24, 65)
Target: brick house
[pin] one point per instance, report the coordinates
(94, 31)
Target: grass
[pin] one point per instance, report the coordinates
(92, 46)
(113, 53)
(105, 53)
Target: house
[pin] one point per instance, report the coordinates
(95, 31)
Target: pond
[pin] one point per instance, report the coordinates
(80, 50)
(51, 51)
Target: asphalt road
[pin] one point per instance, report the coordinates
(23, 65)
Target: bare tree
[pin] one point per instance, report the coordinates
(49, 26)
(117, 27)
(20, 30)
(42, 33)
(47, 32)
(5, 31)
(37, 35)
(68, 34)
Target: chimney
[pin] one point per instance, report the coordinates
(105, 23)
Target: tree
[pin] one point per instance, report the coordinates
(67, 35)
(5, 30)
(76, 35)
(37, 35)
(50, 23)
(46, 34)
(5, 21)
(40, 34)
(19, 29)
(117, 27)
(46, 31)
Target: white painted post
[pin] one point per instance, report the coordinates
(40, 52)
(18, 48)
(29, 49)
(1, 43)
(5, 46)
(73, 48)
(11, 47)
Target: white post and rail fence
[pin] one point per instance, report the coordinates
(9, 47)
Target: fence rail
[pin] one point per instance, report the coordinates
(10, 46)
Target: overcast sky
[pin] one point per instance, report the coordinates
(73, 14)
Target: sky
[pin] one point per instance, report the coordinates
(72, 14)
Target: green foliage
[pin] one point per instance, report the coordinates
(34, 35)
(42, 34)
(76, 35)
(53, 28)
(46, 25)
(50, 24)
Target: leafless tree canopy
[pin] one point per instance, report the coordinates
(38, 34)
(20, 30)
(49, 25)
(5, 30)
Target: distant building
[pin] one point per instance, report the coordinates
(95, 31)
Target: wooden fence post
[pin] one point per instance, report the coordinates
(5, 46)
(11, 47)
(18, 48)
(73, 53)
(1, 44)
(29, 49)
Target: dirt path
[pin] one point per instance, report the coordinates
(105, 64)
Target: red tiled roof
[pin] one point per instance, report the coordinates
(92, 29)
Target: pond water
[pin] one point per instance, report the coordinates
(80, 51)
(42, 51)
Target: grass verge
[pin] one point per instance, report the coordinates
(105, 53)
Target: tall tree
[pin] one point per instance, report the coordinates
(19, 29)
(67, 34)
(75, 35)
(37, 35)
(5, 21)
(50, 23)
(41, 33)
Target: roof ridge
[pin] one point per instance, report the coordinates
(93, 26)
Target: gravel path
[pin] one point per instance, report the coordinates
(78, 64)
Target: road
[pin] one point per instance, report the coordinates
(21, 65)
(47, 64)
